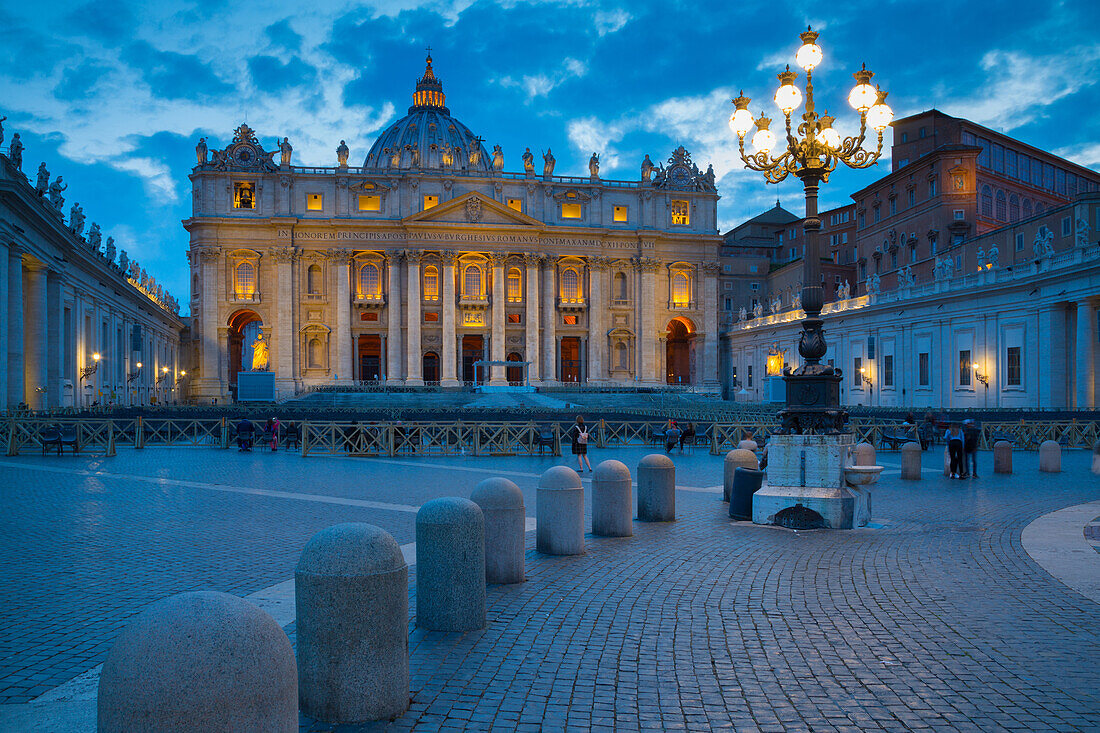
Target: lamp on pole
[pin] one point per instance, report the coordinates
(130, 377)
(90, 370)
(811, 151)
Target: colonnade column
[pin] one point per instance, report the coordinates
(710, 325)
(549, 320)
(15, 325)
(647, 329)
(4, 245)
(35, 319)
(55, 339)
(210, 381)
(597, 319)
(413, 349)
(341, 259)
(496, 373)
(449, 376)
(1085, 362)
(284, 321)
(393, 320)
(531, 318)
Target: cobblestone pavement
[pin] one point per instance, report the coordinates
(936, 618)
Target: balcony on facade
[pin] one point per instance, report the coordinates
(572, 304)
(473, 301)
(370, 300)
(242, 297)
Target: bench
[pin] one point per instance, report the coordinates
(897, 439)
(545, 439)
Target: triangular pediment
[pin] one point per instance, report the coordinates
(472, 208)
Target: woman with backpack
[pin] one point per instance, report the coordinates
(579, 437)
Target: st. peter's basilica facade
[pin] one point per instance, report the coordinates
(430, 258)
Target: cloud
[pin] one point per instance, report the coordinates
(82, 81)
(611, 21)
(281, 34)
(104, 21)
(174, 75)
(540, 85)
(272, 75)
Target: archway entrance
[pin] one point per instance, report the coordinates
(431, 368)
(369, 348)
(515, 374)
(571, 359)
(473, 349)
(678, 347)
(243, 328)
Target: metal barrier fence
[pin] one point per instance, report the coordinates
(498, 438)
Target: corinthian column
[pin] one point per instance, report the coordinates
(341, 262)
(1084, 361)
(209, 384)
(450, 365)
(284, 258)
(496, 373)
(393, 321)
(647, 329)
(549, 320)
(413, 350)
(531, 321)
(709, 301)
(35, 319)
(597, 319)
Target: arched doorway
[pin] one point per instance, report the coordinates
(678, 347)
(243, 328)
(473, 349)
(515, 374)
(369, 348)
(431, 368)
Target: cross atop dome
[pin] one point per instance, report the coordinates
(429, 89)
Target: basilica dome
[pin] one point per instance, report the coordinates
(428, 138)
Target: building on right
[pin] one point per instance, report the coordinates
(959, 301)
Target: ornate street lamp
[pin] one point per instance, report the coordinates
(811, 151)
(162, 376)
(131, 376)
(90, 370)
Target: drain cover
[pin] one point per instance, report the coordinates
(799, 517)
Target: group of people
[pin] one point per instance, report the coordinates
(579, 437)
(962, 448)
(272, 431)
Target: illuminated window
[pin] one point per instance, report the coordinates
(430, 201)
(431, 282)
(471, 281)
(620, 213)
(314, 353)
(681, 290)
(246, 280)
(569, 320)
(314, 201)
(244, 196)
(570, 286)
(372, 316)
(515, 285)
(431, 317)
(680, 216)
(370, 281)
(514, 318)
(370, 203)
(964, 368)
(515, 204)
(313, 279)
(570, 211)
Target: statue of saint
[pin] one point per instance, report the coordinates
(2, 129)
(874, 284)
(709, 176)
(548, 163)
(43, 184)
(647, 172)
(123, 258)
(594, 165)
(498, 158)
(758, 310)
(742, 315)
(95, 237)
(76, 219)
(200, 151)
(55, 193)
(285, 149)
(15, 153)
(528, 161)
(259, 353)
(110, 253)
(994, 255)
(342, 154)
(981, 257)
(796, 300)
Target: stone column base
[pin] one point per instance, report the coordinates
(844, 508)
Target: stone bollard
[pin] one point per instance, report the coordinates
(1050, 457)
(450, 565)
(559, 512)
(737, 458)
(656, 489)
(611, 500)
(946, 461)
(1002, 457)
(748, 444)
(501, 502)
(199, 661)
(910, 461)
(351, 598)
(864, 454)
(1096, 458)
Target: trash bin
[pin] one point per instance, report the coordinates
(746, 482)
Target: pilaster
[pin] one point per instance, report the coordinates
(549, 320)
(393, 321)
(531, 322)
(497, 373)
(449, 366)
(413, 348)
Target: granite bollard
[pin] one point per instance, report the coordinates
(910, 461)
(748, 444)
(560, 512)
(864, 455)
(199, 661)
(351, 598)
(1050, 457)
(1096, 458)
(501, 502)
(656, 489)
(737, 458)
(1002, 457)
(450, 565)
(612, 495)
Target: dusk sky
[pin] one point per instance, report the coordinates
(113, 96)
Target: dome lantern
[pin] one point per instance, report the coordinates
(429, 91)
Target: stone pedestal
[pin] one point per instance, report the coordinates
(1050, 457)
(450, 565)
(501, 502)
(1002, 457)
(910, 462)
(808, 470)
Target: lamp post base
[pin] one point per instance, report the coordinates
(813, 401)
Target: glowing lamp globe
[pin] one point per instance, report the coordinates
(763, 141)
(830, 137)
(787, 98)
(808, 56)
(880, 115)
(741, 122)
(862, 97)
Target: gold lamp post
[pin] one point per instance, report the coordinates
(812, 149)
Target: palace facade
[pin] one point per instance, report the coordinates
(430, 258)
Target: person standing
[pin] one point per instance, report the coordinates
(275, 425)
(578, 435)
(672, 436)
(954, 439)
(971, 435)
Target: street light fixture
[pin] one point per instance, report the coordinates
(981, 376)
(163, 375)
(90, 370)
(811, 151)
(131, 376)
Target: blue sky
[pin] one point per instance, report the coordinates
(113, 96)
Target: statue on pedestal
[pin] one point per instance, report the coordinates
(528, 161)
(994, 255)
(110, 253)
(123, 259)
(55, 193)
(2, 129)
(647, 169)
(758, 310)
(259, 353)
(15, 153)
(905, 277)
(594, 165)
(742, 314)
(43, 184)
(548, 163)
(498, 158)
(200, 151)
(981, 257)
(874, 284)
(76, 219)
(285, 149)
(844, 291)
(95, 237)
(342, 154)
